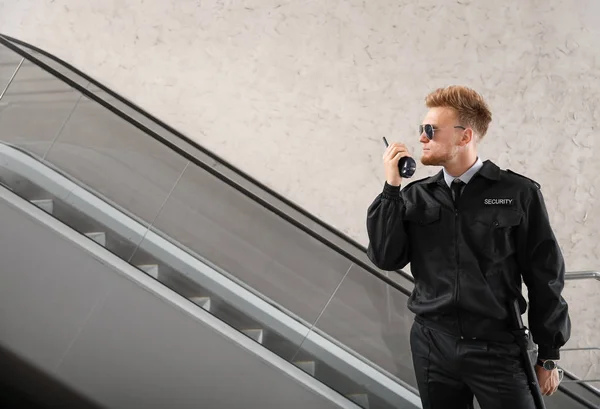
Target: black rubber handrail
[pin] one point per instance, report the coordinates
(7, 42)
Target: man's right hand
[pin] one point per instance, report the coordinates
(391, 157)
(548, 380)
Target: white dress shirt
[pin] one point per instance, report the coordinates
(465, 177)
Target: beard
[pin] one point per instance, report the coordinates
(439, 159)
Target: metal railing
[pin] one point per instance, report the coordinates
(583, 275)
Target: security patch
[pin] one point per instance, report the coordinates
(499, 202)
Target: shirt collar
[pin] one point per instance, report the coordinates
(465, 177)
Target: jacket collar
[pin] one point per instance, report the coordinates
(489, 170)
(437, 178)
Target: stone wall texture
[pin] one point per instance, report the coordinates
(299, 93)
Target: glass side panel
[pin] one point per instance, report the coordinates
(371, 318)
(9, 61)
(117, 160)
(35, 94)
(252, 244)
(151, 125)
(354, 251)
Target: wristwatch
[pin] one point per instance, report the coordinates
(548, 364)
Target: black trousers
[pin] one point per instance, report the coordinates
(450, 371)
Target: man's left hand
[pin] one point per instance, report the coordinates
(548, 380)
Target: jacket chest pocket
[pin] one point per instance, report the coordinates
(423, 216)
(493, 232)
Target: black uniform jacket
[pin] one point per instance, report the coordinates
(468, 260)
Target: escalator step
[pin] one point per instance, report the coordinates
(98, 237)
(360, 399)
(203, 302)
(255, 334)
(307, 366)
(46, 205)
(150, 269)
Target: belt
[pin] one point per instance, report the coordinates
(504, 336)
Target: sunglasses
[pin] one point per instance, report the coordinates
(430, 130)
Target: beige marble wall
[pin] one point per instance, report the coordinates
(299, 93)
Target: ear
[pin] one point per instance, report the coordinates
(467, 136)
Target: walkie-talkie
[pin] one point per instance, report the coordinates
(406, 165)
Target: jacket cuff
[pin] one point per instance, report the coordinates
(548, 352)
(391, 192)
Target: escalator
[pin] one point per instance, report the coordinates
(114, 337)
(210, 234)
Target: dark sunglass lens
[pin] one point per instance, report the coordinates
(429, 131)
(420, 130)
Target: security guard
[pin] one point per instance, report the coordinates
(471, 233)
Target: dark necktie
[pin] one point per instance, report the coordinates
(457, 186)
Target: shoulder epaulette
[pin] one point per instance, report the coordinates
(414, 182)
(525, 177)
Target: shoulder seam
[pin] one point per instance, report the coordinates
(536, 184)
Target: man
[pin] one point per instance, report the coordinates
(471, 233)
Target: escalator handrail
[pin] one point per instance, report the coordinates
(6, 41)
(196, 145)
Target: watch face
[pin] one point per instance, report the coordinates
(549, 365)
